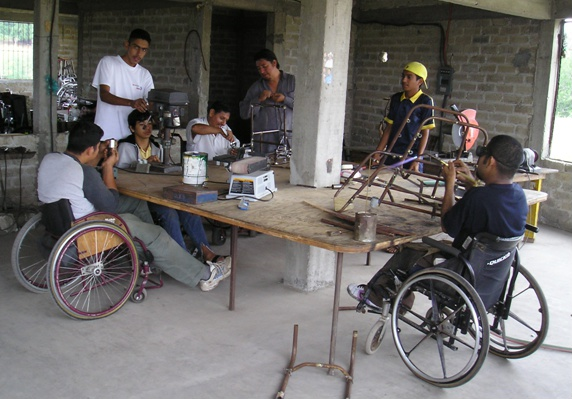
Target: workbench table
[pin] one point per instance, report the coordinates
(293, 214)
(535, 178)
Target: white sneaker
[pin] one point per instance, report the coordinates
(357, 291)
(219, 271)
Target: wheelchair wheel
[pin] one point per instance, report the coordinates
(92, 270)
(437, 338)
(375, 336)
(30, 253)
(527, 323)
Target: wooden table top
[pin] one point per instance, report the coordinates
(293, 213)
(538, 174)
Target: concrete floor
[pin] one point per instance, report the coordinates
(182, 343)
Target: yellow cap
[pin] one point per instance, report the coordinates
(418, 69)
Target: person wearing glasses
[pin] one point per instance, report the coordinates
(122, 85)
(141, 146)
(274, 88)
(498, 207)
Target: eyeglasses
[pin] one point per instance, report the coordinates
(483, 151)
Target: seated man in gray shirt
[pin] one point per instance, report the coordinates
(70, 175)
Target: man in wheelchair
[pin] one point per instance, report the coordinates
(71, 175)
(497, 209)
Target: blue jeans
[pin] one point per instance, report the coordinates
(171, 220)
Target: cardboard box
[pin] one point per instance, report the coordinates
(189, 194)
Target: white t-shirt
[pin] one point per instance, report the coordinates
(124, 81)
(213, 145)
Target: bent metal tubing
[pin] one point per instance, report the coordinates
(460, 119)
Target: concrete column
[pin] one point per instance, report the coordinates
(46, 46)
(276, 31)
(318, 126)
(199, 87)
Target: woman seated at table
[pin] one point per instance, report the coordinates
(140, 146)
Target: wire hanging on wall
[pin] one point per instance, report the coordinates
(185, 52)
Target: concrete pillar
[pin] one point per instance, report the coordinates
(46, 44)
(276, 31)
(318, 126)
(199, 86)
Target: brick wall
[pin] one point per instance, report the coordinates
(105, 32)
(494, 63)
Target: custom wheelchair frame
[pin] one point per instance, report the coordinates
(283, 152)
(449, 317)
(91, 266)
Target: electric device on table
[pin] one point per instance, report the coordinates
(250, 178)
(167, 106)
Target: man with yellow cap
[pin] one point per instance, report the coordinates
(413, 76)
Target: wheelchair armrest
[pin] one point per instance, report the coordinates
(531, 228)
(441, 246)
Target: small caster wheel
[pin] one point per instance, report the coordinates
(137, 297)
(375, 337)
(218, 236)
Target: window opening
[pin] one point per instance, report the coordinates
(561, 139)
(16, 50)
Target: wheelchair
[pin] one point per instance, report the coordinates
(445, 336)
(91, 266)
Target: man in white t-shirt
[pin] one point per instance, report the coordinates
(122, 86)
(212, 135)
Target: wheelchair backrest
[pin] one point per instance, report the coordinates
(491, 258)
(57, 217)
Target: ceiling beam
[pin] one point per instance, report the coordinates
(533, 9)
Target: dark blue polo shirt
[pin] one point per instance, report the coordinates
(400, 106)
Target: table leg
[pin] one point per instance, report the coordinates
(234, 236)
(335, 306)
(533, 214)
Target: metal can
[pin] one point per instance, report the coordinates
(365, 227)
(194, 167)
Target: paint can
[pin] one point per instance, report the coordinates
(365, 226)
(194, 167)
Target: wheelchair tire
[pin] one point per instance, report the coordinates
(30, 255)
(444, 319)
(137, 297)
(526, 326)
(375, 336)
(97, 284)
